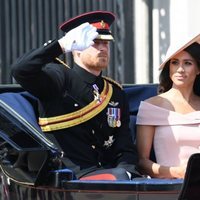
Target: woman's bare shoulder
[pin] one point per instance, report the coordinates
(162, 100)
(155, 100)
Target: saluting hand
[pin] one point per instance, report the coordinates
(79, 38)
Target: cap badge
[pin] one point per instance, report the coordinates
(103, 25)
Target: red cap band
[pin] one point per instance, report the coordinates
(101, 25)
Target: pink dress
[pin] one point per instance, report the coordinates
(177, 136)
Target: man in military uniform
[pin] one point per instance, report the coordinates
(86, 113)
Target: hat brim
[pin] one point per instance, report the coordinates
(104, 37)
(90, 17)
(104, 34)
(176, 48)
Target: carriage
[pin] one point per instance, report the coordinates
(32, 169)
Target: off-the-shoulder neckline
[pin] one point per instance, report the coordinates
(171, 111)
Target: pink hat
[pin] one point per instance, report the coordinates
(179, 45)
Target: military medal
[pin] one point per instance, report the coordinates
(108, 143)
(118, 117)
(113, 117)
(96, 93)
(118, 123)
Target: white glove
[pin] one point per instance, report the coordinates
(79, 38)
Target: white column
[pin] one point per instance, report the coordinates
(156, 42)
(141, 42)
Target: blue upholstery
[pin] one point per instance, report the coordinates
(136, 94)
(23, 103)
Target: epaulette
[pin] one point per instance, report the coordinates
(58, 60)
(113, 82)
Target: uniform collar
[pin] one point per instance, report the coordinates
(85, 75)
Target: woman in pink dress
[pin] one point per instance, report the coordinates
(170, 121)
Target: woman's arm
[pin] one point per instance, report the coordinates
(144, 141)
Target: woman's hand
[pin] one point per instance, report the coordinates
(178, 171)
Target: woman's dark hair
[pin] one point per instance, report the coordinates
(165, 80)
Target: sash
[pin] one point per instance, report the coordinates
(79, 116)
